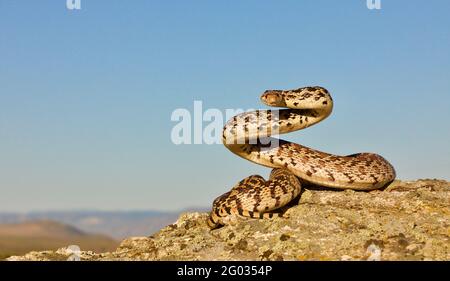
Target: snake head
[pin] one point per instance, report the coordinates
(273, 98)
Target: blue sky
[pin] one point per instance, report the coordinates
(86, 95)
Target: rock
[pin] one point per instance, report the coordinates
(406, 221)
(374, 252)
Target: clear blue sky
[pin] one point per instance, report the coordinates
(86, 96)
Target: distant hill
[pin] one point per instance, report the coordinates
(116, 224)
(20, 238)
(39, 228)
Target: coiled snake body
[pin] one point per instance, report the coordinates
(249, 136)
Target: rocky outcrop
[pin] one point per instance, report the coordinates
(406, 221)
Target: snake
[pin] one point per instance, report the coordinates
(253, 136)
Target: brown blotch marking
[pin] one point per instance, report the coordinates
(271, 158)
(347, 175)
(290, 153)
(227, 210)
(293, 194)
(339, 168)
(238, 203)
(277, 201)
(375, 180)
(283, 189)
(211, 221)
(320, 94)
(330, 176)
(257, 199)
(272, 191)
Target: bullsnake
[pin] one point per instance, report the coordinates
(249, 135)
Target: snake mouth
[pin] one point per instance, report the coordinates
(272, 98)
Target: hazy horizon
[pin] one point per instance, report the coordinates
(86, 96)
(93, 210)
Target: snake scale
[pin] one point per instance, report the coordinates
(250, 136)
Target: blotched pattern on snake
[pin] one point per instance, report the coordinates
(249, 135)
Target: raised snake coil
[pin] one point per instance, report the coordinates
(249, 136)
